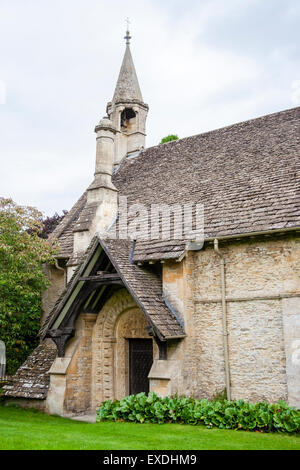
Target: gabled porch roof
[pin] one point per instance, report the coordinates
(107, 267)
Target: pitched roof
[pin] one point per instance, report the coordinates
(32, 380)
(246, 175)
(143, 285)
(146, 289)
(67, 291)
(64, 231)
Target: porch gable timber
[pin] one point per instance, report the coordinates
(105, 269)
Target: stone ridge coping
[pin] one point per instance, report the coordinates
(60, 366)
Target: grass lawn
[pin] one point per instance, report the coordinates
(27, 429)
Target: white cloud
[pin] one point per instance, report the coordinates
(2, 92)
(197, 70)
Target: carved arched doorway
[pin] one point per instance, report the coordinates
(122, 349)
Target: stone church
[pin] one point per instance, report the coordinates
(169, 315)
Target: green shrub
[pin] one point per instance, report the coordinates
(169, 138)
(221, 414)
(22, 254)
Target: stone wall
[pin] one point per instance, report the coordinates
(263, 322)
(26, 403)
(263, 307)
(96, 363)
(70, 376)
(79, 372)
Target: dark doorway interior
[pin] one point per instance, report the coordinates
(140, 362)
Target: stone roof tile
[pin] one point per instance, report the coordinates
(32, 379)
(246, 175)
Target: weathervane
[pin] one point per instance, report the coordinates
(127, 37)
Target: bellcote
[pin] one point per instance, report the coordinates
(127, 111)
(120, 133)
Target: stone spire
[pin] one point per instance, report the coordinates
(127, 88)
(127, 111)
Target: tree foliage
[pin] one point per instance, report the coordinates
(169, 138)
(50, 223)
(22, 253)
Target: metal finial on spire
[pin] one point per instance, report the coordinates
(127, 37)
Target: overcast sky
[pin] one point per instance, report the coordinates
(201, 64)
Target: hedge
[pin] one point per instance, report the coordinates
(223, 414)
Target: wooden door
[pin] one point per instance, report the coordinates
(140, 362)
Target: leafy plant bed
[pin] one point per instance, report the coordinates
(223, 414)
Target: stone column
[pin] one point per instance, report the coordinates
(102, 196)
(56, 395)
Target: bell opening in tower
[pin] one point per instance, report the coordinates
(127, 117)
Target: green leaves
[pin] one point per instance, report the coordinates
(219, 413)
(22, 280)
(169, 138)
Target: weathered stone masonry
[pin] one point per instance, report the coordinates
(247, 178)
(263, 300)
(96, 360)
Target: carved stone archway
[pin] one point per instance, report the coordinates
(119, 319)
